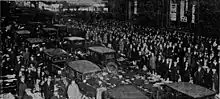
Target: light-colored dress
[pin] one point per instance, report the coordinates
(74, 92)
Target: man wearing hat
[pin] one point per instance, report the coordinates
(48, 88)
(215, 78)
(198, 76)
(21, 87)
(208, 78)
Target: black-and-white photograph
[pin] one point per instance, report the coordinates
(110, 49)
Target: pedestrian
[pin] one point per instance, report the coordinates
(174, 72)
(198, 76)
(186, 76)
(208, 78)
(215, 78)
(48, 88)
(26, 56)
(21, 87)
(73, 91)
(30, 75)
(153, 63)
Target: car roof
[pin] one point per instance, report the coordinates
(49, 29)
(84, 66)
(33, 22)
(191, 90)
(35, 40)
(59, 25)
(124, 92)
(55, 52)
(74, 38)
(23, 32)
(100, 49)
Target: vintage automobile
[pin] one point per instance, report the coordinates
(125, 92)
(73, 44)
(51, 35)
(55, 59)
(90, 78)
(103, 56)
(186, 90)
(81, 70)
(21, 35)
(50, 32)
(33, 43)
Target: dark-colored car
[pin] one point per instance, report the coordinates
(55, 59)
(75, 45)
(103, 56)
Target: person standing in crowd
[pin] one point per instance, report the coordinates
(186, 75)
(165, 69)
(208, 78)
(174, 72)
(73, 91)
(26, 56)
(153, 63)
(193, 63)
(215, 85)
(18, 64)
(21, 87)
(198, 76)
(30, 78)
(48, 88)
(61, 88)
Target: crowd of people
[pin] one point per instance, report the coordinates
(27, 63)
(176, 56)
(173, 55)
